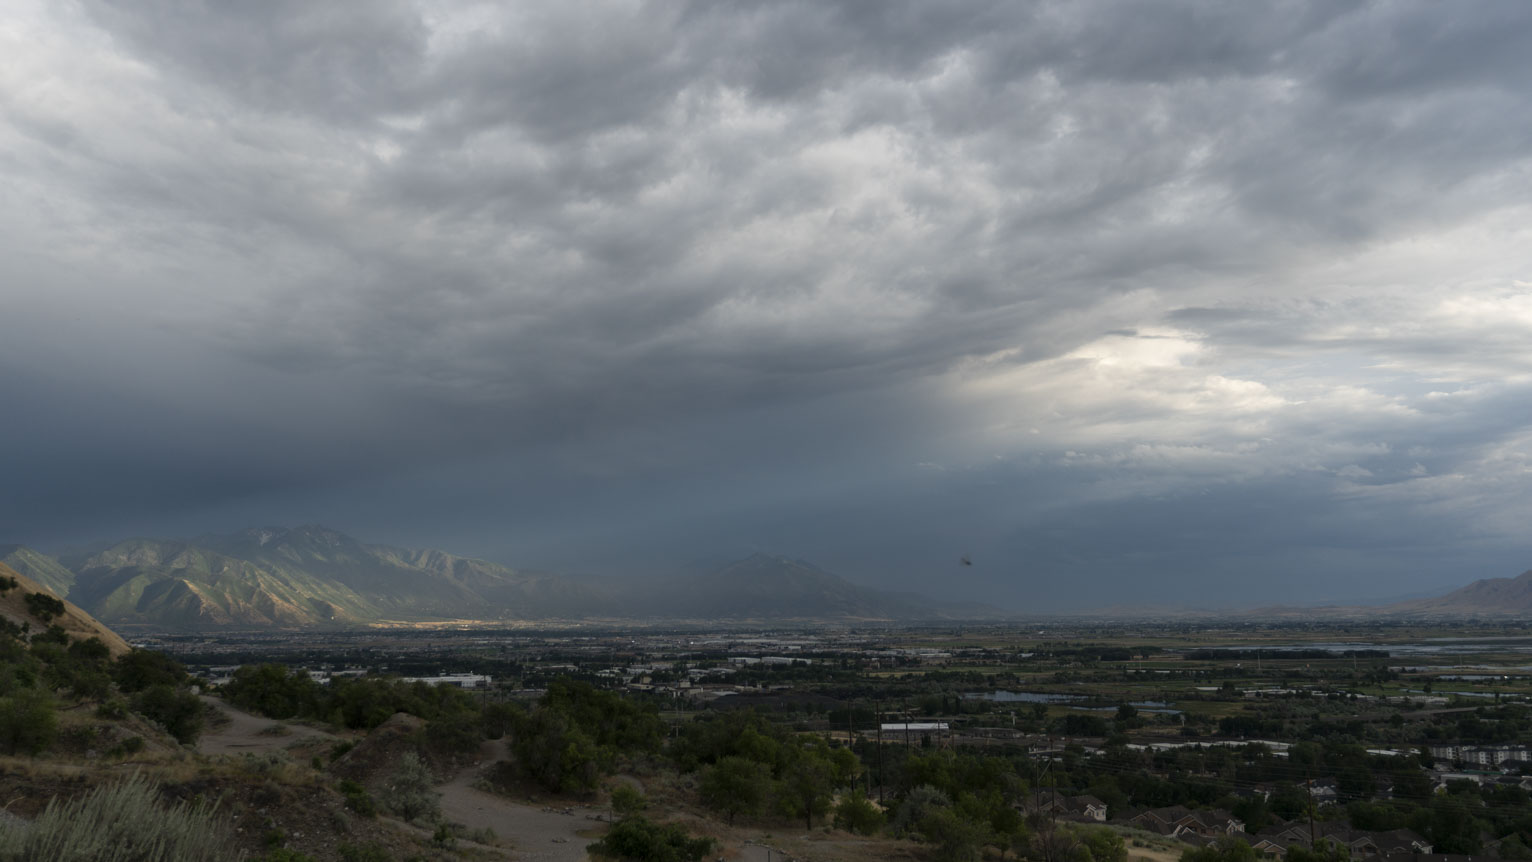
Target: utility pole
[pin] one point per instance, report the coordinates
(878, 705)
(1311, 812)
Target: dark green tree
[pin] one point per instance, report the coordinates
(735, 785)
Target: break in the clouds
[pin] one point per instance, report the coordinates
(1170, 303)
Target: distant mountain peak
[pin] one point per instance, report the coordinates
(766, 558)
(1487, 596)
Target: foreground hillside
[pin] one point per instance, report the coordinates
(317, 577)
(32, 607)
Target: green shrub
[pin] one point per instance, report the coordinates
(121, 821)
(454, 734)
(44, 606)
(627, 800)
(28, 722)
(129, 746)
(639, 839)
(141, 668)
(115, 708)
(178, 711)
(409, 794)
(357, 799)
(854, 813)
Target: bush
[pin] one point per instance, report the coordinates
(454, 734)
(639, 839)
(115, 709)
(121, 821)
(131, 745)
(141, 668)
(179, 712)
(44, 606)
(357, 799)
(28, 723)
(957, 838)
(855, 814)
(409, 794)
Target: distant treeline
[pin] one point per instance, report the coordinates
(1252, 655)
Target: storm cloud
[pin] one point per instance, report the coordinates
(1181, 302)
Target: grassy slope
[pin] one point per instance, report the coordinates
(172, 583)
(39, 567)
(74, 621)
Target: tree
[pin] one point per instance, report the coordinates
(141, 668)
(735, 785)
(806, 786)
(44, 606)
(272, 691)
(550, 749)
(409, 792)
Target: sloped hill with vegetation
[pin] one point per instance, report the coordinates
(31, 607)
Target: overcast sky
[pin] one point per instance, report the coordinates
(1174, 303)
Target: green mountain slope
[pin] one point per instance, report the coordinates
(39, 567)
(170, 584)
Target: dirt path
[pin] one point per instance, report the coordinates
(246, 732)
(544, 835)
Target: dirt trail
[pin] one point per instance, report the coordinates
(532, 832)
(245, 732)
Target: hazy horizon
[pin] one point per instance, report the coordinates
(1188, 303)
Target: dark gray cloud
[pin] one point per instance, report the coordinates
(1186, 298)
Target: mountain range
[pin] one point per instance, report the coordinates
(317, 577)
(1493, 597)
